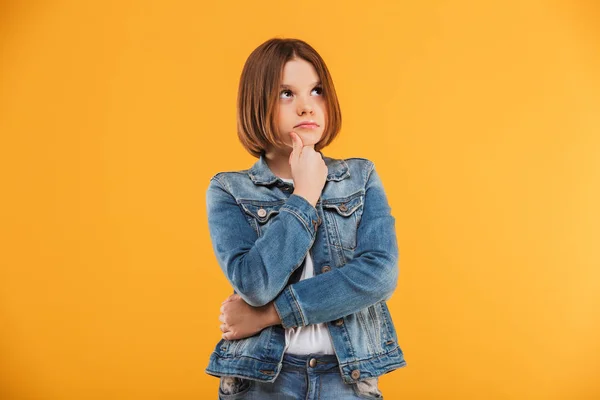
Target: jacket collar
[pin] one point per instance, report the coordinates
(260, 173)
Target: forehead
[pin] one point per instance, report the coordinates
(299, 72)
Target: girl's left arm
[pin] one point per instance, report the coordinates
(371, 276)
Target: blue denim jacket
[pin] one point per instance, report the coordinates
(261, 232)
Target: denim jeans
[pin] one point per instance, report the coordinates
(305, 377)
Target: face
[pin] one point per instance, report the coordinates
(301, 103)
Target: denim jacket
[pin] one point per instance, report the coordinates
(261, 232)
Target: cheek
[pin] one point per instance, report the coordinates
(283, 115)
(323, 109)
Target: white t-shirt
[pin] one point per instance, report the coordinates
(308, 339)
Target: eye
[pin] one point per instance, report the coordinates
(319, 90)
(283, 94)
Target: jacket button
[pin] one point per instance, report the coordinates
(326, 268)
(312, 362)
(262, 212)
(355, 374)
(339, 322)
(343, 207)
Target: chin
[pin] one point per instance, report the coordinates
(309, 139)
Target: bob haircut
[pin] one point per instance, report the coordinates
(258, 94)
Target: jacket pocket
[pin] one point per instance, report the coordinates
(260, 213)
(343, 215)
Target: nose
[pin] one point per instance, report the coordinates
(305, 107)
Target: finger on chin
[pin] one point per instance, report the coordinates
(297, 139)
(296, 147)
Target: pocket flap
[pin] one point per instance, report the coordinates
(345, 206)
(262, 212)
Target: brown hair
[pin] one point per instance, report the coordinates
(258, 94)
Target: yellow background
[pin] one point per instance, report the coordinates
(483, 119)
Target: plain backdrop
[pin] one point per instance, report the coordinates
(482, 118)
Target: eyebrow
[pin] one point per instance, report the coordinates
(283, 85)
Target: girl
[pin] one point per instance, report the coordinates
(307, 242)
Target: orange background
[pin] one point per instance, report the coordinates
(483, 119)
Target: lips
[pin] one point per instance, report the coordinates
(307, 124)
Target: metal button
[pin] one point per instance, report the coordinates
(339, 322)
(355, 374)
(343, 207)
(313, 362)
(262, 212)
(326, 268)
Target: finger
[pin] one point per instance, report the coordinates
(222, 309)
(222, 318)
(223, 328)
(296, 145)
(296, 140)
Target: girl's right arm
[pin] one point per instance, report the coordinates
(258, 268)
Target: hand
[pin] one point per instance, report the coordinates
(309, 171)
(240, 320)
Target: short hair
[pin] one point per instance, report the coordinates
(258, 94)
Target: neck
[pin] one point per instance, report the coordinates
(278, 162)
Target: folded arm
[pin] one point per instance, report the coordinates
(258, 268)
(371, 276)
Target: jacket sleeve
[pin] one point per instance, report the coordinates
(257, 272)
(371, 276)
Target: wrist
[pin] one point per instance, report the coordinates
(270, 316)
(307, 197)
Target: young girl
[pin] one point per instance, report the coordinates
(307, 242)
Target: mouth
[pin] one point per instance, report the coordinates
(307, 125)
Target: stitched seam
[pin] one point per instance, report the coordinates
(361, 318)
(368, 175)
(222, 185)
(376, 324)
(297, 306)
(375, 356)
(382, 307)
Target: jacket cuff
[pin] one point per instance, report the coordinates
(288, 309)
(304, 211)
